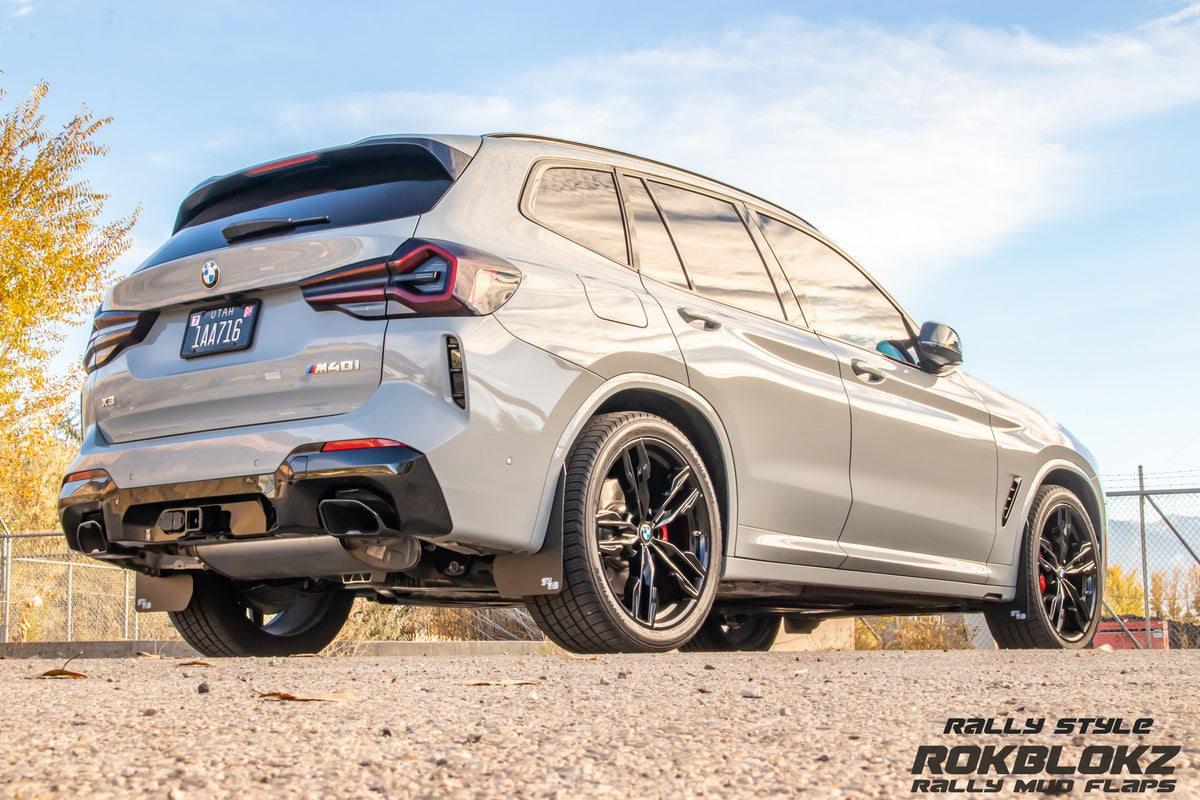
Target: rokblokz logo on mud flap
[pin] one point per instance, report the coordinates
(1106, 766)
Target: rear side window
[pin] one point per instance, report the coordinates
(582, 205)
(354, 186)
(717, 250)
(843, 303)
(656, 255)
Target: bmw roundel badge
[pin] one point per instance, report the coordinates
(210, 274)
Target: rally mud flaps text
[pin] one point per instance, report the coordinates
(1105, 766)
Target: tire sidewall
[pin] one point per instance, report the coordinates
(220, 603)
(713, 638)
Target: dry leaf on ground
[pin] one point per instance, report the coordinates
(498, 683)
(326, 697)
(62, 672)
(58, 673)
(195, 664)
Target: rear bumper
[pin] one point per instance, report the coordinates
(493, 460)
(398, 481)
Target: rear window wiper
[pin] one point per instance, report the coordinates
(258, 227)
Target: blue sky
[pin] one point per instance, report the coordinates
(1026, 172)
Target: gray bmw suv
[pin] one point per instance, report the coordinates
(656, 410)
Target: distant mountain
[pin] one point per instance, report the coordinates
(1163, 549)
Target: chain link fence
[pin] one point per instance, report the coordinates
(49, 594)
(1154, 559)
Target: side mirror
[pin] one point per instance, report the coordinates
(938, 348)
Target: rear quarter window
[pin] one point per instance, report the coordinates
(582, 205)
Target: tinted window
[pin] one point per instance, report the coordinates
(843, 302)
(717, 250)
(656, 255)
(355, 186)
(582, 205)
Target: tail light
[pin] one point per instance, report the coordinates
(358, 444)
(423, 278)
(112, 332)
(283, 164)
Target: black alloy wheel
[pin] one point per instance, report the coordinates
(1068, 573)
(641, 540)
(654, 535)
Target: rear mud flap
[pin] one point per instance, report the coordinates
(169, 593)
(524, 574)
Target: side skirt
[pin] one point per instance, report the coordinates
(745, 569)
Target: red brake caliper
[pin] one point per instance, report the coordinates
(1042, 582)
(663, 531)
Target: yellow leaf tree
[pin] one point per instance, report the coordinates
(1158, 594)
(1123, 591)
(56, 253)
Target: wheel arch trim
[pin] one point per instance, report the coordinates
(652, 384)
(1084, 485)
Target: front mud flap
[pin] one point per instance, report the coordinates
(525, 574)
(168, 593)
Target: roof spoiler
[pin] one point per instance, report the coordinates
(453, 161)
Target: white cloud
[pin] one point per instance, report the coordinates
(23, 7)
(915, 149)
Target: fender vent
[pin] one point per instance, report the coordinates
(458, 381)
(1010, 500)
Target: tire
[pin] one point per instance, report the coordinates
(217, 620)
(632, 585)
(744, 633)
(1060, 579)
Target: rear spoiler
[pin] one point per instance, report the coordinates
(448, 155)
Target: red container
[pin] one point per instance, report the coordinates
(1110, 633)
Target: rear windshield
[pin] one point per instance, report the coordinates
(380, 183)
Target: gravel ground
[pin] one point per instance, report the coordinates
(828, 724)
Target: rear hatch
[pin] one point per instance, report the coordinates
(214, 331)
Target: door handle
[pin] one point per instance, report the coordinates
(691, 316)
(866, 373)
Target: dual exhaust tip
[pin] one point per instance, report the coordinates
(91, 537)
(341, 517)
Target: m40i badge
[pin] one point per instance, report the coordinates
(331, 366)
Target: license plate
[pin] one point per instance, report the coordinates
(220, 330)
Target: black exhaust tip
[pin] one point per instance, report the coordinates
(91, 537)
(349, 518)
